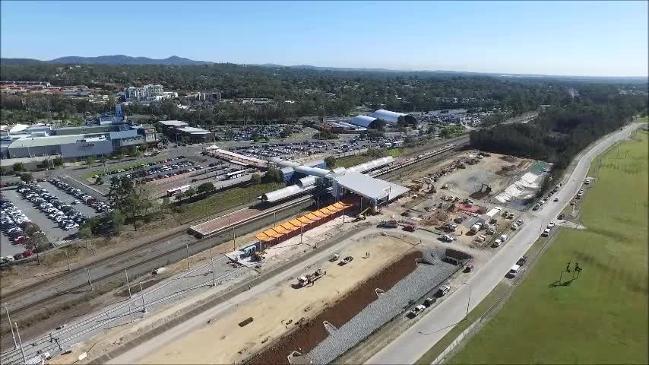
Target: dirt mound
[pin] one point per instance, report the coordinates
(309, 334)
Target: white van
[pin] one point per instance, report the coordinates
(513, 271)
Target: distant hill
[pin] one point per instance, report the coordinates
(180, 61)
(19, 61)
(109, 60)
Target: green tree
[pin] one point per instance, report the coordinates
(57, 161)
(85, 231)
(331, 162)
(205, 188)
(26, 177)
(40, 241)
(190, 192)
(90, 160)
(18, 167)
(131, 200)
(255, 179)
(273, 175)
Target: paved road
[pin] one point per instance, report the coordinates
(412, 344)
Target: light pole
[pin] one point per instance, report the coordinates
(12, 328)
(187, 249)
(143, 302)
(20, 341)
(90, 280)
(213, 272)
(67, 257)
(128, 286)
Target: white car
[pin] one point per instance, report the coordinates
(513, 271)
(447, 238)
(545, 233)
(551, 225)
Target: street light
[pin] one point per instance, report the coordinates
(12, 328)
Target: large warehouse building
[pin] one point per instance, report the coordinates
(74, 142)
(390, 117)
(179, 131)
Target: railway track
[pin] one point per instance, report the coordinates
(136, 262)
(148, 256)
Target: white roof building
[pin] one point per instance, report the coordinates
(193, 130)
(371, 188)
(388, 116)
(174, 123)
(362, 120)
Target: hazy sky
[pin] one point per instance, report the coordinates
(560, 38)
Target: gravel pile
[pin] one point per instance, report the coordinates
(387, 306)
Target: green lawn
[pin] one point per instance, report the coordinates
(601, 317)
(223, 201)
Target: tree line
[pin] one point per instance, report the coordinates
(561, 131)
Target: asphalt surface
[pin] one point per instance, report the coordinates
(7, 248)
(413, 343)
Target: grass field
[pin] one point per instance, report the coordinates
(225, 200)
(600, 317)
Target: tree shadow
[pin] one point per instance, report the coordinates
(561, 283)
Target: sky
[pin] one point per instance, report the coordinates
(553, 38)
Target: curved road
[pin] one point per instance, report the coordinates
(412, 344)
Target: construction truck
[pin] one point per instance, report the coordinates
(309, 279)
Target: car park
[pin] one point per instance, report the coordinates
(12, 222)
(64, 215)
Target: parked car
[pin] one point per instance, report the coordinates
(447, 238)
(513, 271)
(416, 310)
(443, 290)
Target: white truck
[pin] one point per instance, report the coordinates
(476, 227)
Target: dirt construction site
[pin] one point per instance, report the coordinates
(473, 198)
(289, 316)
